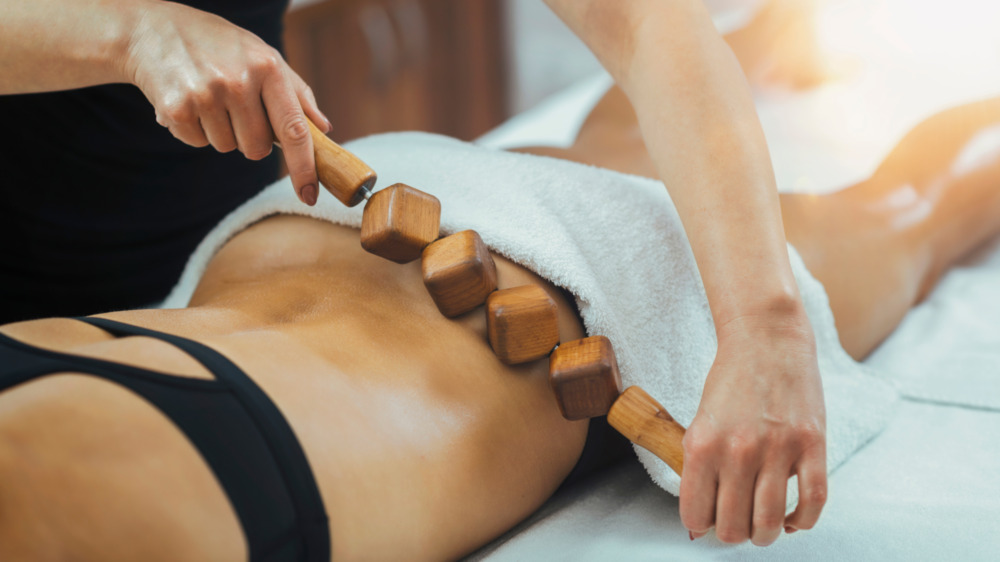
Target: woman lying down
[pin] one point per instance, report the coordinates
(310, 400)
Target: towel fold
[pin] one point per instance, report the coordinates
(614, 241)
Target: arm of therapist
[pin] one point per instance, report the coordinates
(209, 81)
(762, 416)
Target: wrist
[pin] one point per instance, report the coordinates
(778, 316)
(133, 29)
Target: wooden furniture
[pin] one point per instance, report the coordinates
(522, 324)
(383, 65)
(459, 272)
(399, 222)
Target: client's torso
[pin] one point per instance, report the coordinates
(422, 443)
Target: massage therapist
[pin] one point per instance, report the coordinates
(100, 205)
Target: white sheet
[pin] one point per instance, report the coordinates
(612, 240)
(927, 488)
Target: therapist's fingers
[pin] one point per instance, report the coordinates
(811, 471)
(218, 129)
(251, 127)
(182, 120)
(698, 486)
(291, 130)
(734, 508)
(307, 99)
(769, 504)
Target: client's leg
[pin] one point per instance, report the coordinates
(879, 246)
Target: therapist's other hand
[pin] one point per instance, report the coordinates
(212, 82)
(761, 419)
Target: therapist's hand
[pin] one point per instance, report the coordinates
(212, 82)
(761, 420)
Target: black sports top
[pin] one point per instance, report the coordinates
(238, 430)
(100, 206)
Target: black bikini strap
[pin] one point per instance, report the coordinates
(281, 439)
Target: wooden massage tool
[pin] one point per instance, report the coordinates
(401, 223)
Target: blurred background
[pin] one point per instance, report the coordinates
(456, 67)
(844, 78)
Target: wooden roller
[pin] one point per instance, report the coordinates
(459, 272)
(341, 173)
(399, 222)
(640, 418)
(522, 323)
(584, 377)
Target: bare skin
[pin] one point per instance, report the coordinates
(762, 415)
(415, 456)
(209, 81)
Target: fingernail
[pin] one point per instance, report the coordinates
(329, 125)
(690, 535)
(309, 194)
(789, 529)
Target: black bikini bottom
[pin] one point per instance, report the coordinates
(237, 429)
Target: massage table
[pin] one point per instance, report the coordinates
(928, 486)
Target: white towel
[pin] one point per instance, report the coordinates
(614, 241)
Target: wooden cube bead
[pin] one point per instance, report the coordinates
(459, 272)
(522, 323)
(399, 222)
(584, 376)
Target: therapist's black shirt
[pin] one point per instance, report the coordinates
(100, 206)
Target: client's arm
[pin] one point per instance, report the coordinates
(762, 416)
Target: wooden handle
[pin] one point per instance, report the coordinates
(342, 173)
(641, 419)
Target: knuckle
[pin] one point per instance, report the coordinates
(815, 496)
(783, 440)
(230, 86)
(731, 535)
(810, 435)
(202, 97)
(742, 450)
(268, 61)
(695, 448)
(178, 112)
(217, 84)
(295, 131)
